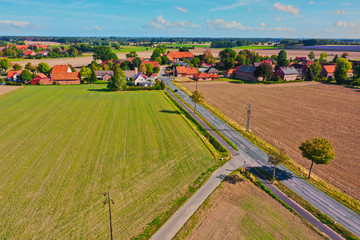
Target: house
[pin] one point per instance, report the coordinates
(141, 80)
(104, 75)
(301, 69)
(153, 63)
(43, 53)
(205, 76)
(287, 73)
(245, 72)
(61, 69)
(63, 78)
(14, 75)
(204, 65)
(181, 64)
(328, 70)
(268, 61)
(41, 79)
(29, 53)
(130, 73)
(185, 72)
(213, 71)
(2, 48)
(229, 73)
(22, 47)
(176, 56)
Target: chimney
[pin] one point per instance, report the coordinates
(136, 70)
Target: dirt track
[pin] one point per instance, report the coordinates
(6, 89)
(286, 114)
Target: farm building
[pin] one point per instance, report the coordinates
(229, 73)
(176, 56)
(130, 73)
(287, 73)
(213, 71)
(64, 78)
(141, 80)
(13, 75)
(245, 72)
(153, 63)
(205, 77)
(104, 75)
(29, 53)
(61, 69)
(41, 79)
(185, 71)
(328, 70)
(301, 69)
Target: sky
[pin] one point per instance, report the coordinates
(185, 18)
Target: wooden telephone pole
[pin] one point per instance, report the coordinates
(109, 201)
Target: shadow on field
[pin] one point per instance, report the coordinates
(169, 111)
(99, 90)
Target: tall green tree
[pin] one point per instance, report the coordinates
(44, 68)
(17, 67)
(357, 72)
(282, 59)
(196, 97)
(118, 81)
(311, 56)
(342, 69)
(227, 53)
(317, 150)
(323, 57)
(131, 54)
(26, 75)
(104, 53)
(4, 64)
(335, 58)
(92, 78)
(274, 159)
(85, 72)
(265, 71)
(315, 68)
(30, 67)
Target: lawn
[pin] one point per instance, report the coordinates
(63, 146)
(126, 49)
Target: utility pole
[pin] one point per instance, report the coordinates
(248, 119)
(109, 201)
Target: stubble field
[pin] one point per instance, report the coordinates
(239, 210)
(63, 146)
(286, 114)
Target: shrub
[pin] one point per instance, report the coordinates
(355, 82)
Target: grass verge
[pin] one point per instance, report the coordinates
(327, 188)
(158, 221)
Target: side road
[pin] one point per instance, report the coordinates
(314, 196)
(173, 225)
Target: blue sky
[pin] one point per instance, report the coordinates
(200, 18)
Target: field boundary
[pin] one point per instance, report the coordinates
(13, 91)
(325, 187)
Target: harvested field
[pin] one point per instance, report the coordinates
(286, 114)
(6, 89)
(239, 210)
(63, 146)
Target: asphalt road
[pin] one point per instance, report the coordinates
(255, 157)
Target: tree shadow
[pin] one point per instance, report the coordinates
(99, 90)
(169, 111)
(280, 175)
(233, 179)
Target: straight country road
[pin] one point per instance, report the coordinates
(256, 157)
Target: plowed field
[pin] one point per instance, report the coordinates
(286, 114)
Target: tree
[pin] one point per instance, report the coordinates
(4, 64)
(342, 69)
(318, 150)
(30, 67)
(125, 65)
(357, 72)
(17, 67)
(92, 78)
(136, 63)
(142, 68)
(195, 61)
(85, 72)
(118, 81)
(264, 70)
(323, 57)
(228, 63)
(184, 49)
(26, 75)
(315, 68)
(156, 54)
(344, 55)
(274, 159)
(311, 56)
(227, 53)
(149, 69)
(196, 97)
(131, 54)
(104, 53)
(282, 58)
(43, 68)
(335, 58)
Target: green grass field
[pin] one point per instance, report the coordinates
(126, 49)
(63, 146)
(178, 45)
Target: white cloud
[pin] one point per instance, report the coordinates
(340, 12)
(277, 19)
(184, 10)
(311, 2)
(238, 4)
(343, 24)
(281, 29)
(227, 25)
(14, 23)
(262, 24)
(286, 8)
(98, 28)
(160, 23)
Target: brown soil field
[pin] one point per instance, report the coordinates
(42, 42)
(239, 210)
(6, 89)
(286, 114)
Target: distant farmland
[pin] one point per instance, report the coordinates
(286, 114)
(63, 146)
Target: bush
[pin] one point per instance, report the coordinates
(355, 82)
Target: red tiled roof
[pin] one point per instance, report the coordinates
(329, 68)
(60, 69)
(206, 75)
(153, 63)
(186, 70)
(29, 52)
(230, 71)
(58, 76)
(22, 47)
(40, 76)
(12, 73)
(177, 55)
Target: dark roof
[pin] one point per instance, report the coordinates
(289, 70)
(102, 73)
(246, 69)
(213, 70)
